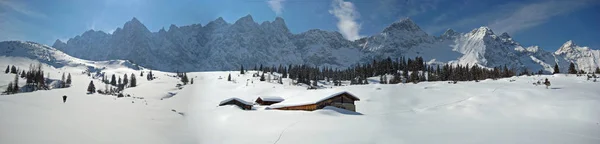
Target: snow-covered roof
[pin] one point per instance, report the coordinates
(271, 98)
(237, 99)
(310, 97)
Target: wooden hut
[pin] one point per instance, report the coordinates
(268, 100)
(238, 102)
(343, 100)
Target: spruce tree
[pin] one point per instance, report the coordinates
(13, 70)
(23, 74)
(133, 81)
(16, 85)
(119, 82)
(9, 89)
(113, 80)
(91, 88)
(69, 80)
(262, 77)
(598, 70)
(242, 69)
(7, 69)
(556, 69)
(572, 69)
(63, 81)
(141, 73)
(229, 77)
(125, 80)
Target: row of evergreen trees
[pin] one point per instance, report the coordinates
(120, 83)
(400, 70)
(35, 79)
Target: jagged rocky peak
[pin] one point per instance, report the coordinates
(505, 35)
(403, 25)
(568, 46)
(135, 25)
(482, 31)
(245, 20)
(59, 44)
(449, 33)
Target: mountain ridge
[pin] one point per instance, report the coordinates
(223, 46)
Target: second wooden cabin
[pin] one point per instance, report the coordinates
(268, 100)
(312, 101)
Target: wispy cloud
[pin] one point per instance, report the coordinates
(346, 14)
(20, 8)
(513, 17)
(531, 15)
(276, 6)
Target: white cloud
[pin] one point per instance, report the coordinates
(514, 17)
(20, 8)
(534, 14)
(276, 6)
(346, 14)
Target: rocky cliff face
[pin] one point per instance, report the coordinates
(223, 46)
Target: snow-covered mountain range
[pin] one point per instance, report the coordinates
(223, 46)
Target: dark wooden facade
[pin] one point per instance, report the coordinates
(260, 101)
(236, 102)
(343, 100)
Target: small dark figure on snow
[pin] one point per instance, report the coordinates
(547, 83)
(64, 99)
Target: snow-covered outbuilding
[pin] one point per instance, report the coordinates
(268, 100)
(317, 100)
(245, 105)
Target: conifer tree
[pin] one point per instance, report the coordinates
(556, 69)
(7, 69)
(91, 88)
(16, 85)
(572, 69)
(141, 73)
(119, 82)
(13, 70)
(133, 81)
(63, 81)
(598, 70)
(9, 89)
(229, 77)
(23, 74)
(69, 80)
(113, 80)
(242, 69)
(125, 80)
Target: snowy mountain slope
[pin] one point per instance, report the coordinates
(584, 57)
(35, 52)
(430, 112)
(223, 46)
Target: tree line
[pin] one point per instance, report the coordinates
(34, 79)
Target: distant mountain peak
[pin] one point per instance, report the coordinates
(450, 33)
(505, 35)
(405, 24)
(567, 47)
(135, 24)
(245, 19)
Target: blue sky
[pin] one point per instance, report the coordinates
(547, 23)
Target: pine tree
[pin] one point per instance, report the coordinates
(598, 70)
(262, 77)
(13, 70)
(62, 81)
(9, 89)
(23, 74)
(242, 69)
(16, 85)
(113, 80)
(556, 69)
(119, 82)
(133, 81)
(572, 69)
(91, 88)
(141, 73)
(414, 76)
(7, 69)
(125, 80)
(184, 79)
(229, 77)
(69, 80)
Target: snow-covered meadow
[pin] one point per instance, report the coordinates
(489, 111)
